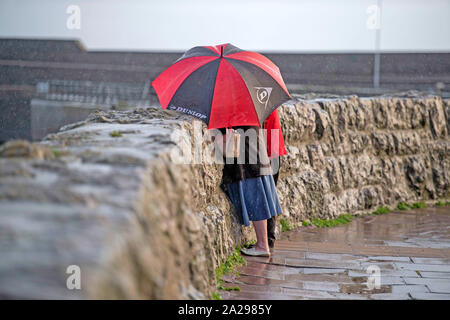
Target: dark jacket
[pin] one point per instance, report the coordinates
(256, 162)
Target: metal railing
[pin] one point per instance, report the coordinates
(101, 93)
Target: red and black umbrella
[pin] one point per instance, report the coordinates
(222, 85)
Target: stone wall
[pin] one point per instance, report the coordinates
(103, 194)
(352, 155)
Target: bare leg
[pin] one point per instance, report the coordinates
(261, 235)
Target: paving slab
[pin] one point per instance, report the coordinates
(435, 285)
(443, 275)
(389, 258)
(430, 260)
(332, 256)
(430, 296)
(323, 271)
(422, 267)
(329, 264)
(386, 273)
(399, 255)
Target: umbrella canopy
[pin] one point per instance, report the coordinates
(222, 85)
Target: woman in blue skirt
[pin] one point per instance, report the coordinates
(250, 185)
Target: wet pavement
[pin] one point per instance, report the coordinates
(399, 255)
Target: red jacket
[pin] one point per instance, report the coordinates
(273, 122)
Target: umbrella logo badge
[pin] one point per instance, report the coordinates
(263, 94)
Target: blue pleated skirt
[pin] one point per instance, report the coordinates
(255, 199)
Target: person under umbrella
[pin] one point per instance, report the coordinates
(234, 91)
(275, 149)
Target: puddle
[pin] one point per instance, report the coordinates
(333, 263)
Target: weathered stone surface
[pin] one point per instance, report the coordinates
(368, 152)
(141, 226)
(25, 149)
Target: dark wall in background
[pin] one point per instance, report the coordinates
(25, 62)
(28, 61)
(15, 115)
